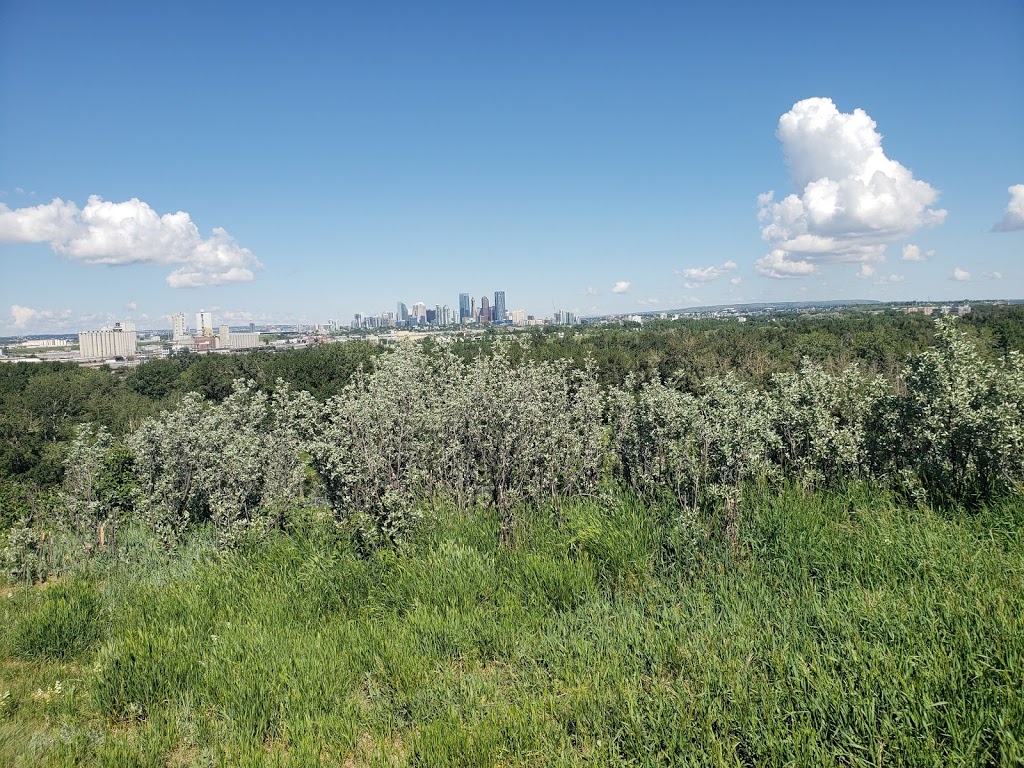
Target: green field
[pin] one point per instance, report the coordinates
(840, 629)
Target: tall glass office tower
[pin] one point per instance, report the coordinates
(498, 313)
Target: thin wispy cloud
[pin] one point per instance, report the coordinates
(695, 277)
(890, 280)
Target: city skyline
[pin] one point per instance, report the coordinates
(591, 159)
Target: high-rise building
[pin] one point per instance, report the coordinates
(464, 307)
(204, 323)
(485, 310)
(402, 315)
(419, 313)
(179, 326)
(499, 313)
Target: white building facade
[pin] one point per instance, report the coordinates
(119, 341)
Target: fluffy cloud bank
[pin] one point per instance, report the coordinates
(853, 200)
(1013, 216)
(780, 265)
(621, 287)
(131, 233)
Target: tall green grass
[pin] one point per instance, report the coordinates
(843, 629)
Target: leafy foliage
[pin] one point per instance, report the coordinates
(232, 464)
(955, 433)
(421, 426)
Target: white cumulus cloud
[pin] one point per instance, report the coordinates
(131, 233)
(866, 270)
(23, 317)
(1013, 216)
(778, 265)
(621, 286)
(913, 252)
(853, 201)
(961, 274)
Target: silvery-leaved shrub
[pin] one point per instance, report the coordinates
(376, 442)
(734, 439)
(652, 428)
(530, 433)
(83, 465)
(953, 433)
(818, 418)
(22, 556)
(235, 465)
(700, 448)
(424, 425)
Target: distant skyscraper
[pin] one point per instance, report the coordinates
(465, 310)
(499, 314)
(485, 310)
(402, 314)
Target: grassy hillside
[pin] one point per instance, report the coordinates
(842, 629)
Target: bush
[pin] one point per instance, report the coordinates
(955, 435)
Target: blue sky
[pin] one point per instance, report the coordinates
(304, 163)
